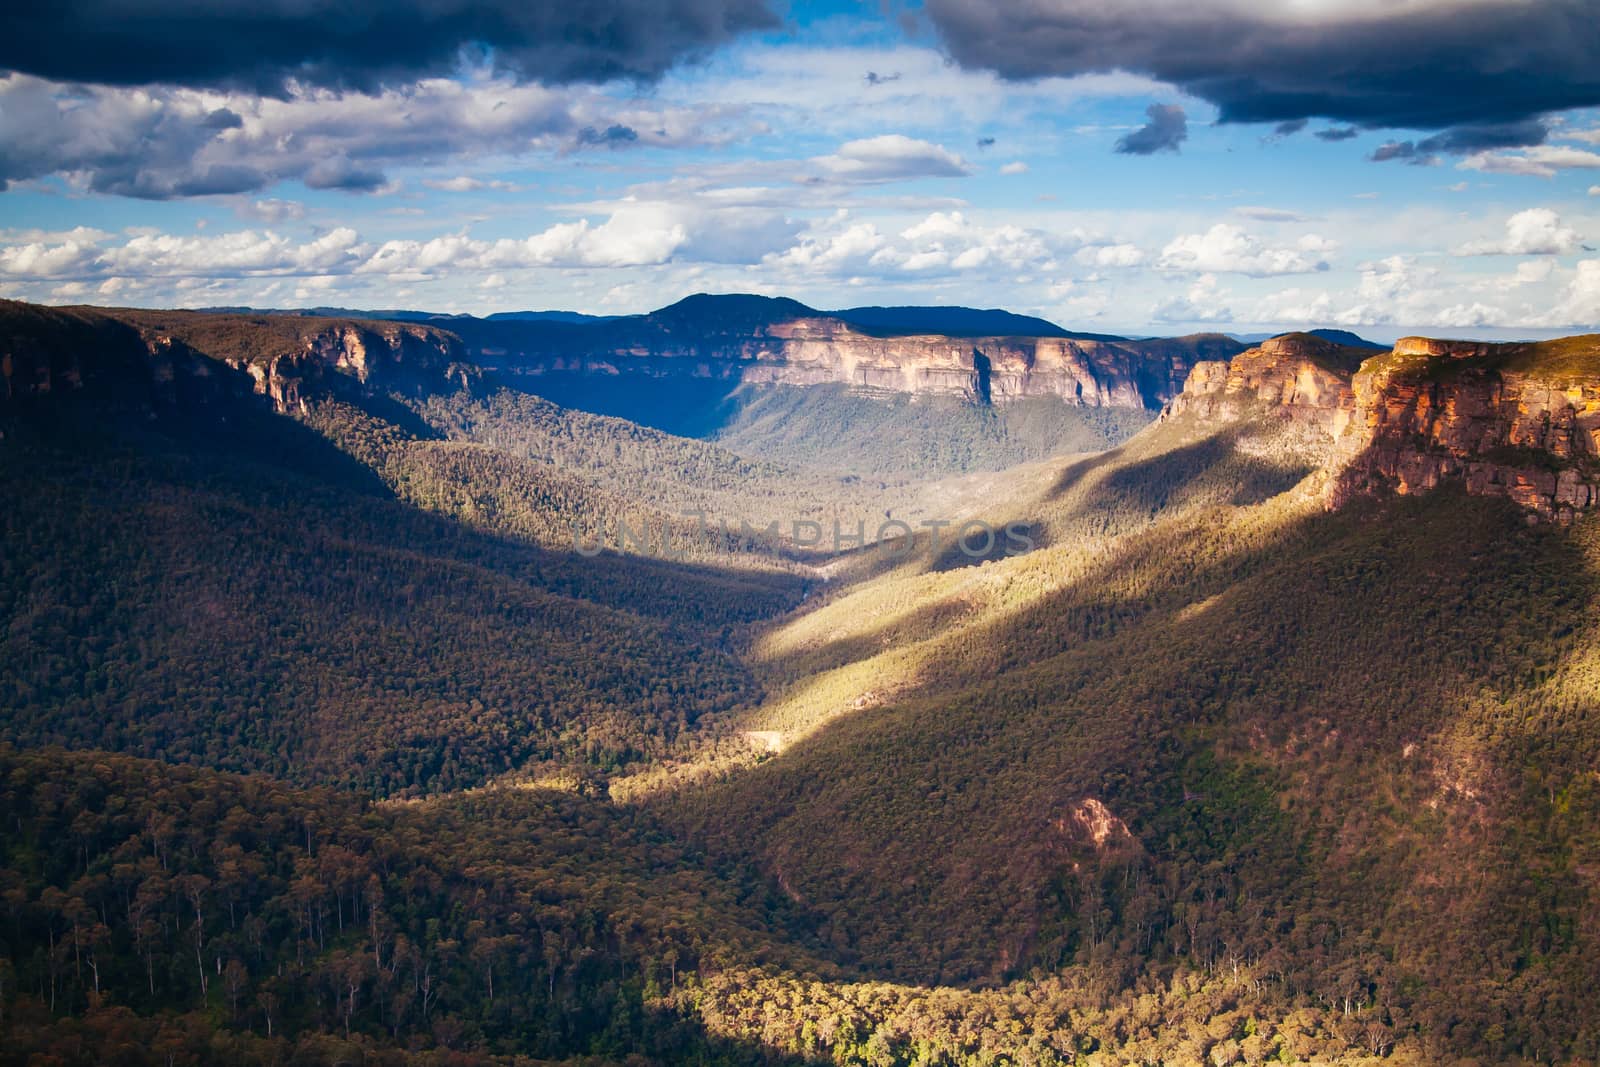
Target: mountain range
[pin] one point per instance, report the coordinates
(901, 686)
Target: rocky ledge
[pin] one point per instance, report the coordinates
(1520, 421)
(173, 358)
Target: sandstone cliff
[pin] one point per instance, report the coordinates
(1520, 421)
(168, 358)
(1297, 376)
(752, 340)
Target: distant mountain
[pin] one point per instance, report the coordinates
(957, 322)
(727, 312)
(546, 316)
(1338, 337)
(1348, 339)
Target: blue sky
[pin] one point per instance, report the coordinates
(846, 156)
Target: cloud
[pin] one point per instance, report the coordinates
(610, 137)
(1269, 214)
(1418, 64)
(1403, 150)
(1337, 133)
(1115, 255)
(1463, 140)
(847, 250)
(1167, 129)
(245, 252)
(1290, 127)
(166, 143)
(1534, 232)
(633, 234)
(619, 242)
(891, 157)
(1202, 303)
(273, 211)
(1227, 249)
(1580, 303)
(275, 44)
(1594, 190)
(1017, 167)
(943, 243)
(1532, 272)
(463, 183)
(1538, 162)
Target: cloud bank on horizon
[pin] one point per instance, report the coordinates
(1380, 164)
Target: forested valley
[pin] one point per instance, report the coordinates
(320, 743)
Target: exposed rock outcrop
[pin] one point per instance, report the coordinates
(174, 358)
(1518, 421)
(743, 340)
(1298, 376)
(367, 353)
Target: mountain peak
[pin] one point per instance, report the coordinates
(730, 311)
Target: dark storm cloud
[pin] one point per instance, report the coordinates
(1463, 140)
(1405, 152)
(1425, 64)
(1167, 129)
(610, 137)
(1290, 128)
(263, 44)
(1337, 133)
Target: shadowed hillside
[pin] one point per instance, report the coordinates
(1266, 735)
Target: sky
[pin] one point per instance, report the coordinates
(1141, 167)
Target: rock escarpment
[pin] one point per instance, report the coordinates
(746, 340)
(390, 354)
(174, 358)
(1519, 421)
(1297, 376)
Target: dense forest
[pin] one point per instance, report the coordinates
(319, 743)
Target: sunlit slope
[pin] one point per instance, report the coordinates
(835, 428)
(1231, 728)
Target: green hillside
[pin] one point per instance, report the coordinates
(319, 743)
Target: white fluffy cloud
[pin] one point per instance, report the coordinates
(632, 234)
(1202, 303)
(162, 142)
(943, 242)
(1228, 249)
(891, 157)
(1541, 161)
(1535, 232)
(1579, 305)
(1113, 255)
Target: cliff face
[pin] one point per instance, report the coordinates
(812, 349)
(1517, 421)
(1299, 377)
(174, 358)
(1498, 418)
(367, 353)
